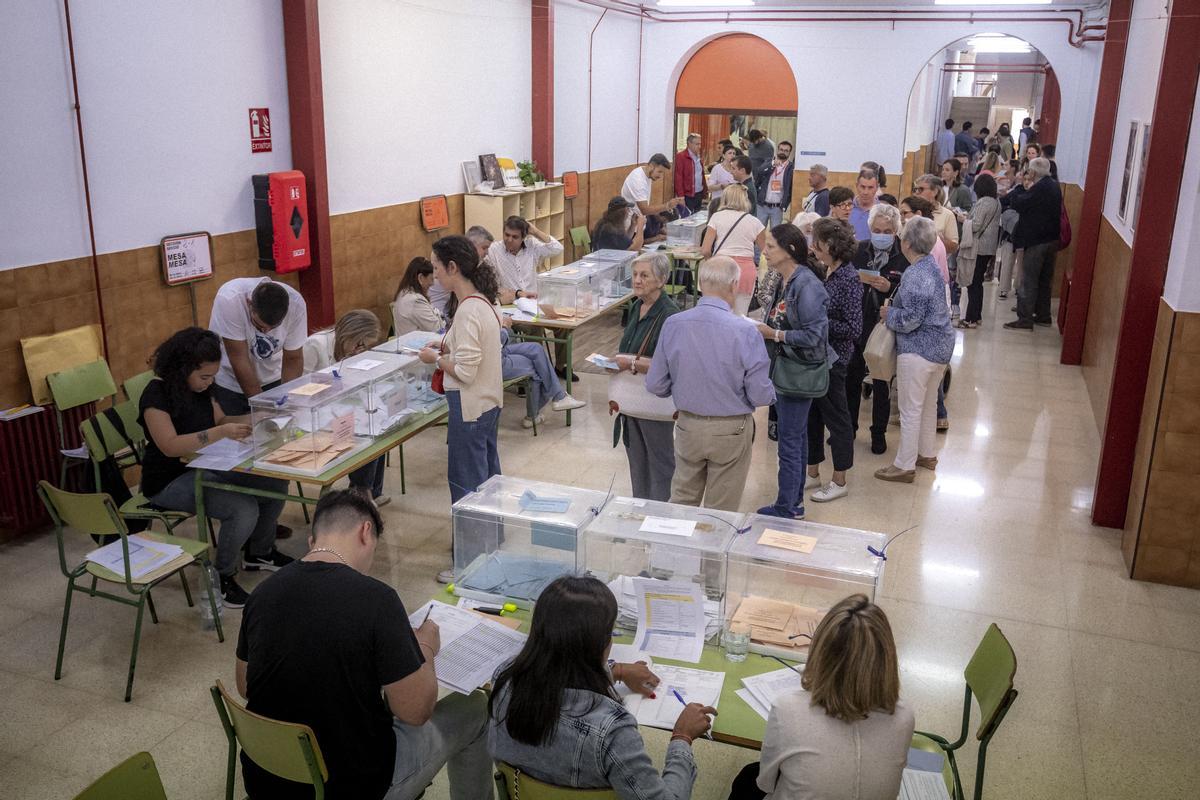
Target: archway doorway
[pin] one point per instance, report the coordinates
(989, 79)
(718, 97)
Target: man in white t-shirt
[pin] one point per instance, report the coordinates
(263, 325)
(636, 188)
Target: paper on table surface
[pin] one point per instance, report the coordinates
(675, 527)
(222, 455)
(364, 364)
(694, 685)
(768, 687)
(749, 699)
(671, 621)
(788, 541)
(526, 305)
(145, 556)
(628, 654)
(473, 647)
(916, 785)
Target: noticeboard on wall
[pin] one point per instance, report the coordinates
(435, 213)
(187, 258)
(570, 182)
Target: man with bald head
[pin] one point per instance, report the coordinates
(713, 364)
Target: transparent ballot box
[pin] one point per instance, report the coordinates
(514, 536)
(624, 261)
(650, 539)
(783, 575)
(578, 289)
(309, 425)
(408, 344)
(687, 232)
(417, 377)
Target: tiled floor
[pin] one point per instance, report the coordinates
(1108, 669)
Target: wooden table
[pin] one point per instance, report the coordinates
(736, 723)
(382, 444)
(562, 331)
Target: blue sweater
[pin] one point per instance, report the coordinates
(919, 314)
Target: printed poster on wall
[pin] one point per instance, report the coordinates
(260, 130)
(435, 212)
(570, 182)
(187, 258)
(1127, 176)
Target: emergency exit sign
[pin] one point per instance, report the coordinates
(260, 130)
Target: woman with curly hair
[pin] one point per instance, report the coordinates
(180, 416)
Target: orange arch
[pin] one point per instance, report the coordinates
(740, 73)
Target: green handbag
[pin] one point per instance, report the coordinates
(796, 378)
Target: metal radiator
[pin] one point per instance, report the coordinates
(29, 452)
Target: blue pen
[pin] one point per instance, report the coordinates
(679, 697)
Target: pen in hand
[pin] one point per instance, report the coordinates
(679, 697)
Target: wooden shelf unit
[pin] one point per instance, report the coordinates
(542, 207)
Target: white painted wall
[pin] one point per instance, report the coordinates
(614, 113)
(165, 87)
(1139, 85)
(1182, 289)
(854, 82)
(414, 88)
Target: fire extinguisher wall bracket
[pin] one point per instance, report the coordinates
(281, 221)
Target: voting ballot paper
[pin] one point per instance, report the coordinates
(472, 647)
(693, 685)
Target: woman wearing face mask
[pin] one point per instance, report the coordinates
(880, 263)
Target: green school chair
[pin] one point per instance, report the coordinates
(135, 778)
(511, 784)
(989, 677)
(97, 514)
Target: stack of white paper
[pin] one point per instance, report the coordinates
(473, 648)
(223, 454)
(145, 556)
(762, 691)
(624, 589)
(692, 685)
(917, 785)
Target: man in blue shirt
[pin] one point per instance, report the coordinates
(714, 366)
(865, 188)
(945, 142)
(965, 142)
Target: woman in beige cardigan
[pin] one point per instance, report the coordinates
(411, 309)
(470, 358)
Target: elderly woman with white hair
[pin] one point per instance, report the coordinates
(880, 264)
(924, 343)
(649, 443)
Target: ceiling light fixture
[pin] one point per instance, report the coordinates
(705, 3)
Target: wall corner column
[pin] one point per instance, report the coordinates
(306, 112)
(542, 60)
(1170, 129)
(1087, 238)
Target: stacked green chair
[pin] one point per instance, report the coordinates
(989, 677)
(511, 784)
(74, 387)
(97, 514)
(582, 241)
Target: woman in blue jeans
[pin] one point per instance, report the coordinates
(180, 416)
(469, 357)
(797, 318)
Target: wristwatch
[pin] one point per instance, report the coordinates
(518, 294)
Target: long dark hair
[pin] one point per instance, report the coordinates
(614, 219)
(572, 627)
(459, 251)
(416, 268)
(792, 240)
(181, 355)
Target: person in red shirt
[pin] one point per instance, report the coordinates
(689, 174)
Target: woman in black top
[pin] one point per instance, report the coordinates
(180, 416)
(879, 254)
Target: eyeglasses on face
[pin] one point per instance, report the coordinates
(845, 204)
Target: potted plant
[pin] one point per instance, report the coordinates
(529, 174)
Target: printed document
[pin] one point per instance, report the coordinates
(145, 556)
(693, 685)
(473, 648)
(222, 455)
(917, 785)
(671, 620)
(768, 687)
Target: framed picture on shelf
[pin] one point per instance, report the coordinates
(489, 167)
(472, 175)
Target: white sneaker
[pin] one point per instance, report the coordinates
(812, 482)
(830, 491)
(382, 501)
(528, 422)
(568, 403)
(445, 576)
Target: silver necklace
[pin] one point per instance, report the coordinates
(328, 550)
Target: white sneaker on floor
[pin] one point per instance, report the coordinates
(812, 482)
(830, 491)
(382, 500)
(528, 421)
(445, 576)
(568, 403)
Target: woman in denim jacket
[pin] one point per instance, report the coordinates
(556, 716)
(797, 316)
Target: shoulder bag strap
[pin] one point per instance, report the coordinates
(649, 334)
(731, 227)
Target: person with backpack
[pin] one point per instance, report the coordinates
(180, 416)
